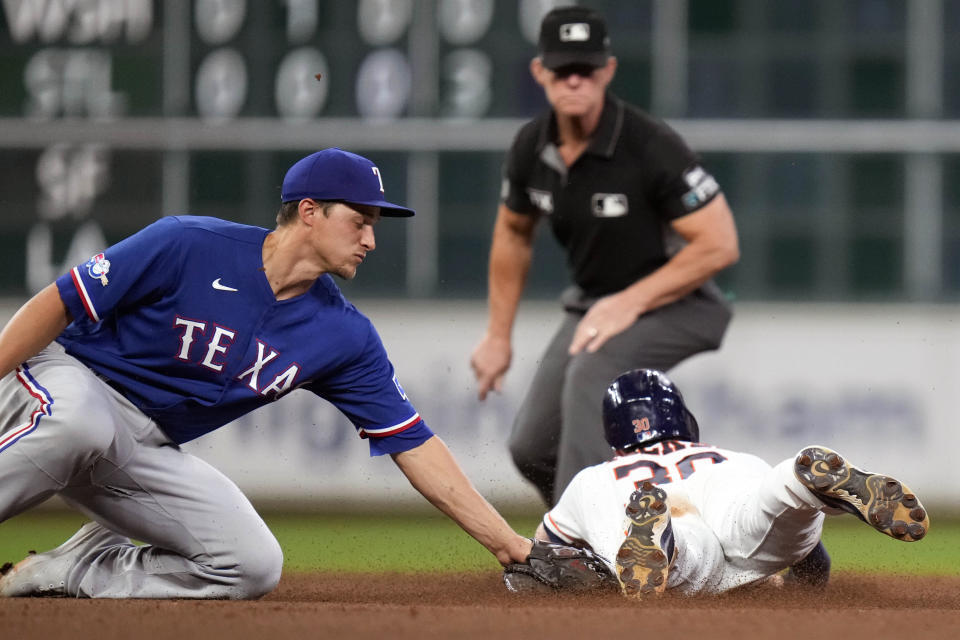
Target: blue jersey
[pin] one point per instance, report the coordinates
(180, 318)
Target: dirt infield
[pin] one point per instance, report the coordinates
(476, 606)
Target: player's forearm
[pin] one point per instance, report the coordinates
(32, 327)
(433, 471)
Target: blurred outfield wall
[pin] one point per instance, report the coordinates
(832, 126)
(875, 382)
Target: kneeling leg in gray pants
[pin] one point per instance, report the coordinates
(64, 431)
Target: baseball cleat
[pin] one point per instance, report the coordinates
(883, 502)
(644, 557)
(45, 574)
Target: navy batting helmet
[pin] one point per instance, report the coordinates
(642, 407)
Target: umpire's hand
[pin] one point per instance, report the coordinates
(606, 318)
(490, 361)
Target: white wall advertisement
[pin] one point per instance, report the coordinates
(877, 384)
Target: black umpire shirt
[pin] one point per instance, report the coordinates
(611, 210)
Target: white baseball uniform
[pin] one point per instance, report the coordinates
(735, 518)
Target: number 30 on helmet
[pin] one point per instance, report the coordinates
(642, 407)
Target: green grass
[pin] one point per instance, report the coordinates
(853, 546)
(431, 543)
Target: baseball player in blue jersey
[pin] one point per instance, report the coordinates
(174, 332)
(671, 513)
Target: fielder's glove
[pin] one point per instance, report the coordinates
(557, 567)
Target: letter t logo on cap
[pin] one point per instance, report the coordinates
(376, 172)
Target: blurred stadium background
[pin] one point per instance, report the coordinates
(832, 127)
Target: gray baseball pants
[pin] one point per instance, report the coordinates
(64, 431)
(559, 430)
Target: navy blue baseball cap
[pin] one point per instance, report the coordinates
(339, 176)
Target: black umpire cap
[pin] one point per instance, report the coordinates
(573, 36)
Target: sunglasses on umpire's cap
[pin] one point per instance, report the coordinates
(573, 36)
(336, 175)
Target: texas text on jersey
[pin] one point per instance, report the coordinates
(229, 345)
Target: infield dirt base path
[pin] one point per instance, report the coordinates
(475, 605)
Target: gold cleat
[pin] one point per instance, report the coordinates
(881, 501)
(644, 558)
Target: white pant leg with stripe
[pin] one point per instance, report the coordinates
(63, 430)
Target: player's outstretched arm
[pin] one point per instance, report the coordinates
(433, 471)
(32, 327)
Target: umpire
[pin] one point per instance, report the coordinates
(645, 227)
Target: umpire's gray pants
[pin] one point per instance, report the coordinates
(558, 430)
(64, 431)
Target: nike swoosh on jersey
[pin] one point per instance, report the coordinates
(221, 287)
